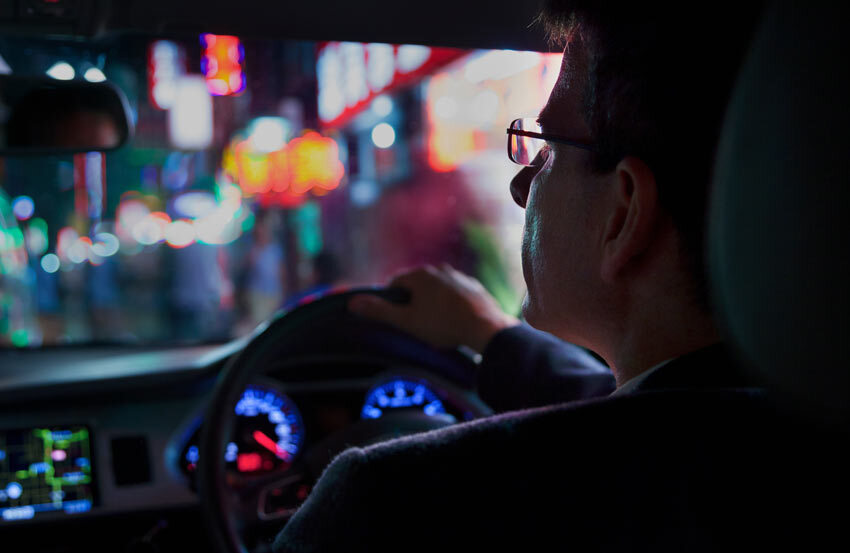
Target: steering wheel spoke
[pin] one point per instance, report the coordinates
(267, 497)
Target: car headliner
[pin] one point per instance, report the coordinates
(464, 24)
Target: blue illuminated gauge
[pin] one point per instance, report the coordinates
(268, 434)
(401, 393)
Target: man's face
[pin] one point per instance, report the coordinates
(561, 197)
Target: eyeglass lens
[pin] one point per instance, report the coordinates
(523, 149)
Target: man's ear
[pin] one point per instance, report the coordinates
(632, 218)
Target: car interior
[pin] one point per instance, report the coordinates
(134, 416)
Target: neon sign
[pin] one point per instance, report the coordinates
(307, 164)
(166, 64)
(221, 63)
(351, 74)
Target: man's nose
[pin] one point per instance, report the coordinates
(521, 184)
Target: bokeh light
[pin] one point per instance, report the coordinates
(151, 229)
(383, 135)
(80, 250)
(94, 75)
(194, 204)
(106, 244)
(23, 207)
(180, 233)
(62, 71)
(268, 134)
(50, 263)
(66, 238)
(382, 105)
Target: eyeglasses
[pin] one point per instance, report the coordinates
(526, 140)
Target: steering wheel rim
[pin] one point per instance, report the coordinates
(238, 372)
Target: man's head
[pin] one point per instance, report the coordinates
(647, 85)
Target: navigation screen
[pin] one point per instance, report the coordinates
(45, 470)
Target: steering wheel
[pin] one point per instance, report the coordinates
(233, 504)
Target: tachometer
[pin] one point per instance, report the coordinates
(268, 434)
(401, 393)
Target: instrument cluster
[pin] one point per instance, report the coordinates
(272, 427)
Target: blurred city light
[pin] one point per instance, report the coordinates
(65, 238)
(446, 107)
(230, 196)
(217, 227)
(4, 67)
(106, 244)
(94, 75)
(23, 207)
(485, 107)
(380, 65)
(383, 135)
(351, 74)
(411, 57)
(180, 233)
(50, 263)
(130, 212)
(194, 204)
(221, 64)
(315, 164)
(364, 193)
(310, 163)
(11, 239)
(382, 106)
(499, 64)
(190, 119)
(62, 71)
(466, 104)
(166, 64)
(151, 229)
(79, 251)
(36, 237)
(268, 134)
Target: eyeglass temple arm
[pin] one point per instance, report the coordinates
(551, 138)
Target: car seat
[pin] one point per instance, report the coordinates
(780, 208)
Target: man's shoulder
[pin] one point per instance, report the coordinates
(537, 445)
(715, 367)
(548, 472)
(475, 436)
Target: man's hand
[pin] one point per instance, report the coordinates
(447, 308)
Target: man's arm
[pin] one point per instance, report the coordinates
(335, 512)
(521, 367)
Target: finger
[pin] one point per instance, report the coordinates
(414, 279)
(373, 307)
(455, 277)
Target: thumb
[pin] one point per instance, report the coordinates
(373, 307)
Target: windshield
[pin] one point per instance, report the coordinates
(261, 173)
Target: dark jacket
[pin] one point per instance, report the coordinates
(694, 460)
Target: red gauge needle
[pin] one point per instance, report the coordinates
(270, 444)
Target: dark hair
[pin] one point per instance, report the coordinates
(657, 89)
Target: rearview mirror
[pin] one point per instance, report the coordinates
(46, 116)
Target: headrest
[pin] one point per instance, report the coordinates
(779, 219)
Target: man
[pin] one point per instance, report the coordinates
(614, 193)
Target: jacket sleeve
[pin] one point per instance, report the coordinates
(522, 367)
(333, 517)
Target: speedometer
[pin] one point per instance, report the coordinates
(401, 393)
(267, 436)
(268, 432)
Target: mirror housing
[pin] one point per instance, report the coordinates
(48, 116)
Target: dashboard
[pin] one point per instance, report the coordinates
(93, 433)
